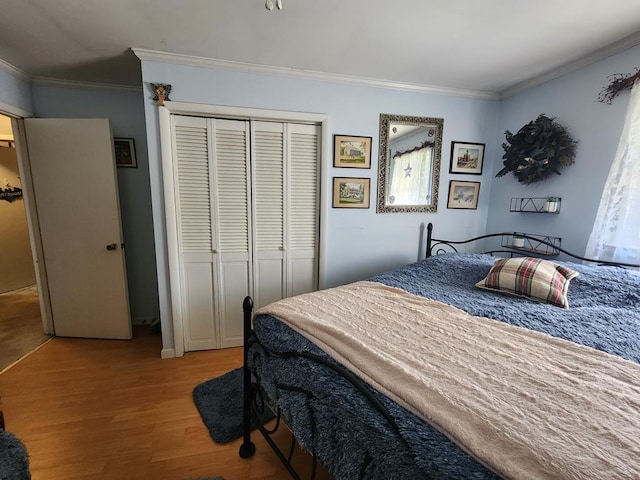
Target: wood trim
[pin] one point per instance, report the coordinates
(254, 68)
(12, 111)
(171, 226)
(37, 252)
(168, 353)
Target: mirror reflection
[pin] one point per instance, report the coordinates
(409, 163)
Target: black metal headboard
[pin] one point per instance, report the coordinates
(436, 246)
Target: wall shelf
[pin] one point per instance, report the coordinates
(541, 245)
(534, 205)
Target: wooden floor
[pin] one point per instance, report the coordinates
(111, 409)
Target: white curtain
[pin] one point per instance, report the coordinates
(410, 178)
(616, 231)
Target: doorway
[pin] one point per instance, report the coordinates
(21, 326)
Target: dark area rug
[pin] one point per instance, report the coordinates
(219, 402)
(14, 460)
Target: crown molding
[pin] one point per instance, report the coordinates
(15, 71)
(12, 111)
(605, 52)
(194, 61)
(47, 81)
(37, 80)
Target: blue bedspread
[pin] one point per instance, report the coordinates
(604, 302)
(344, 430)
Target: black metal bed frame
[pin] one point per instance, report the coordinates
(253, 400)
(437, 246)
(253, 395)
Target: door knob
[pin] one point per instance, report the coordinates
(112, 246)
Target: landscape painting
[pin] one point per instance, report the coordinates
(351, 192)
(466, 158)
(351, 152)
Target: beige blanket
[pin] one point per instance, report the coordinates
(527, 405)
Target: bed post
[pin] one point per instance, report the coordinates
(247, 449)
(429, 231)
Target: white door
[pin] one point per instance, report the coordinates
(193, 185)
(76, 197)
(268, 173)
(246, 220)
(303, 209)
(285, 172)
(213, 236)
(231, 200)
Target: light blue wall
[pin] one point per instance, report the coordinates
(596, 126)
(359, 242)
(125, 110)
(15, 94)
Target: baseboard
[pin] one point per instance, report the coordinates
(168, 353)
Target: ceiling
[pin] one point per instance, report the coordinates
(492, 46)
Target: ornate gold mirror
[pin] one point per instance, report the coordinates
(409, 163)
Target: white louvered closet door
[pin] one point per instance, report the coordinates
(247, 212)
(230, 140)
(303, 211)
(268, 161)
(213, 227)
(192, 183)
(285, 168)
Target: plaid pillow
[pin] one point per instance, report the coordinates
(533, 278)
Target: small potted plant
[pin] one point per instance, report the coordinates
(518, 241)
(551, 205)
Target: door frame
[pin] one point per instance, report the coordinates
(170, 218)
(33, 224)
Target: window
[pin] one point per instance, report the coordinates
(616, 230)
(410, 177)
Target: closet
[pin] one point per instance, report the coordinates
(247, 219)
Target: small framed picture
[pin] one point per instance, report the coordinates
(351, 192)
(466, 158)
(463, 194)
(125, 152)
(351, 152)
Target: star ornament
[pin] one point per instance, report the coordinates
(407, 171)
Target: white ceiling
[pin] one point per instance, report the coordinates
(479, 45)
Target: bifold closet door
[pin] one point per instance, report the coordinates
(231, 217)
(246, 197)
(303, 208)
(285, 165)
(211, 185)
(268, 174)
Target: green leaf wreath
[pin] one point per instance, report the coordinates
(540, 148)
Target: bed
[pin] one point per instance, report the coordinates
(418, 373)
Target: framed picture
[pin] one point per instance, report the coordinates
(466, 158)
(125, 152)
(463, 194)
(351, 192)
(351, 152)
